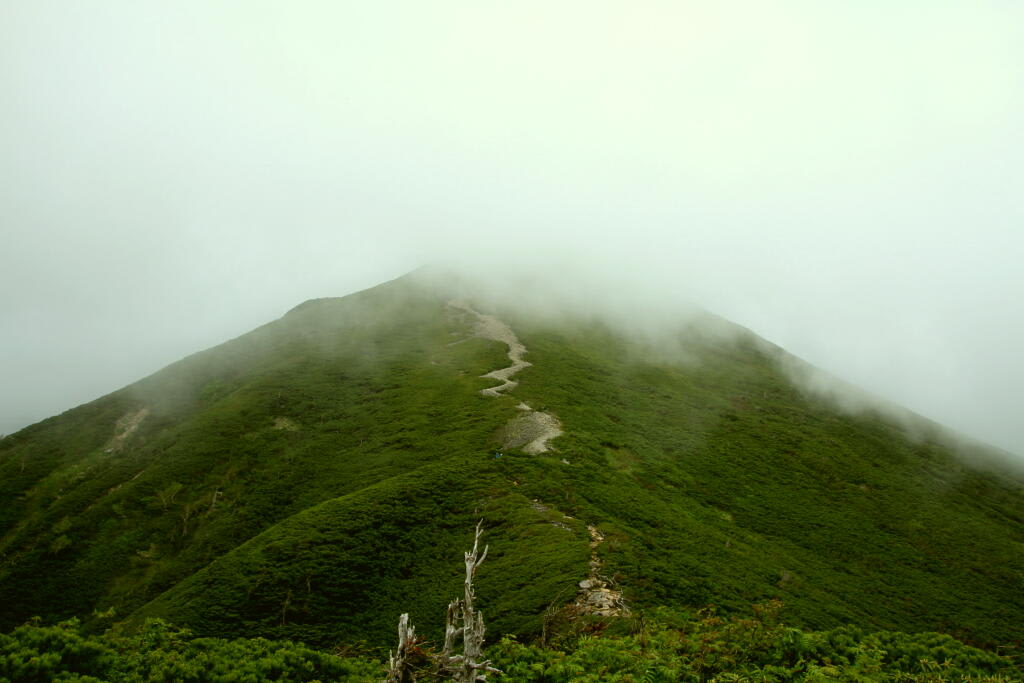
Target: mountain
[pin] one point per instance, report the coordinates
(321, 474)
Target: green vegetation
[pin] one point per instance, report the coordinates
(717, 481)
(161, 652)
(313, 479)
(711, 648)
(664, 646)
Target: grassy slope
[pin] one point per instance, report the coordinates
(368, 383)
(715, 480)
(724, 484)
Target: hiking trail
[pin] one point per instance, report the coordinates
(595, 597)
(532, 430)
(124, 428)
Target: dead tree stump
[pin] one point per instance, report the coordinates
(463, 622)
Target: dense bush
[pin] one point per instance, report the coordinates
(710, 648)
(658, 647)
(161, 652)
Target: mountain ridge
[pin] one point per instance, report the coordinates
(235, 504)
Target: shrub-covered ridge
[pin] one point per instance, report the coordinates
(659, 647)
(312, 479)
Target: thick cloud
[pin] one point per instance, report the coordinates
(843, 179)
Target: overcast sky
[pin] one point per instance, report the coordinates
(842, 177)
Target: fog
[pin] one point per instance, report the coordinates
(842, 178)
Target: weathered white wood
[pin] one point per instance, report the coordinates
(468, 623)
(398, 662)
(462, 622)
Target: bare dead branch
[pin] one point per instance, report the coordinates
(462, 622)
(398, 662)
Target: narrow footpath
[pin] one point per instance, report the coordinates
(533, 429)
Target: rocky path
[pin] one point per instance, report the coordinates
(595, 596)
(532, 430)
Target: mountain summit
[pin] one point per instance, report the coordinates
(317, 476)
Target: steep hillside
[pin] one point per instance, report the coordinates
(319, 475)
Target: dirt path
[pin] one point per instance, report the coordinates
(124, 428)
(531, 431)
(534, 429)
(489, 327)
